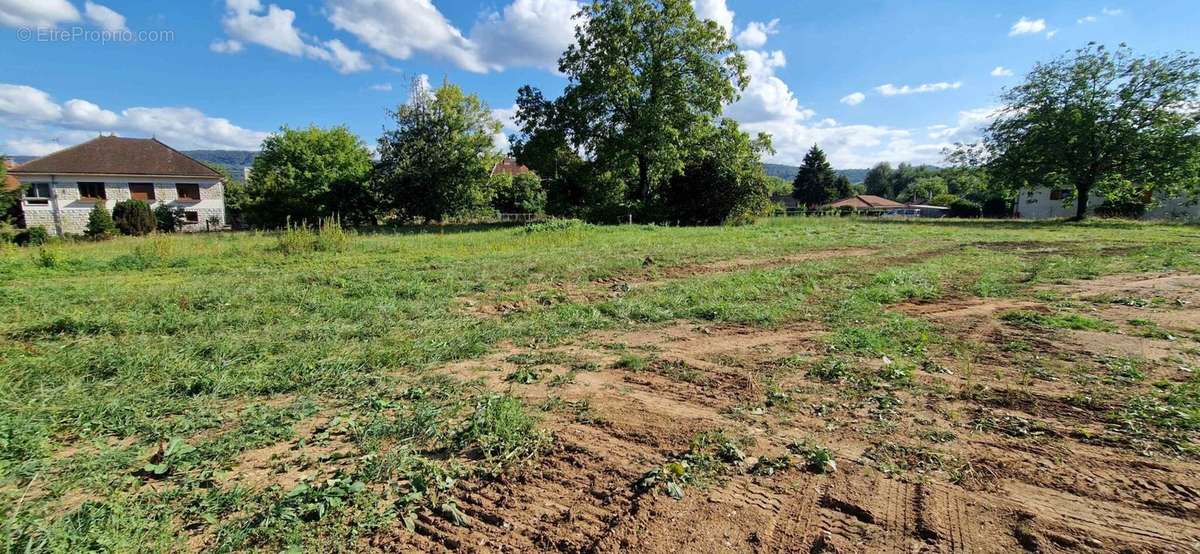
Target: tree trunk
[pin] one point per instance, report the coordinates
(643, 177)
(1081, 201)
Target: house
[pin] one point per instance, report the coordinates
(61, 189)
(1052, 203)
(866, 202)
(509, 166)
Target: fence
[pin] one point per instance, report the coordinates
(521, 218)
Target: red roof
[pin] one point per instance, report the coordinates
(10, 182)
(113, 155)
(511, 167)
(866, 202)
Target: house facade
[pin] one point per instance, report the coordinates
(1050, 203)
(61, 189)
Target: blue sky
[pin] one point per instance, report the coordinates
(867, 80)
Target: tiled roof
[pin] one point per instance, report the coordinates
(511, 167)
(113, 155)
(866, 201)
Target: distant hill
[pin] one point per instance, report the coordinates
(788, 172)
(234, 161)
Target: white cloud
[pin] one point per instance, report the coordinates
(1087, 19)
(104, 17)
(968, 126)
(853, 99)
(400, 28)
(84, 114)
(36, 13)
(248, 22)
(1025, 26)
(382, 87)
(767, 97)
(1050, 34)
(893, 90)
(226, 46)
(49, 125)
(1001, 71)
(755, 34)
(508, 125)
(22, 105)
(1112, 12)
(531, 33)
(715, 10)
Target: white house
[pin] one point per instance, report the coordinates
(1048, 203)
(62, 189)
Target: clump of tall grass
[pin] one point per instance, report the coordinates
(156, 251)
(327, 236)
(555, 225)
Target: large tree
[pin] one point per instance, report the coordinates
(307, 174)
(1097, 119)
(647, 80)
(725, 183)
(816, 183)
(878, 181)
(436, 163)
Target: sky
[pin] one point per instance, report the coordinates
(867, 80)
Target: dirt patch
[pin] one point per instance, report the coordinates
(977, 454)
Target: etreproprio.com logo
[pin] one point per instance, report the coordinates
(84, 34)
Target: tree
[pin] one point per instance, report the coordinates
(100, 224)
(724, 184)
(816, 183)
(522, 193)
(437, 162)
(647, 80)
(924, 189)
(309, 174)
(1093, 119)
(878, 181)
(133, 217)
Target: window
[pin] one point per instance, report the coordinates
(141, 191)
(92, 191)
(38, 193)
(1060, 194)
(188, 192)
(191, 217)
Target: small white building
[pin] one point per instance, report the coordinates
(61, 189)
(1048, 203)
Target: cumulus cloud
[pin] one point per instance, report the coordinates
(1025, 26)
(767, 97)
(400, 28)
(530, 33)
(1001, 71)
(104, 17)
(508, 125)
(756, 33)
(893, 90)
(46, 124)
(853, 99)
(715, 10)
(22, 105)
(249, 22)
(36, 13)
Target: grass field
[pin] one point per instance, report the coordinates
(796, 384)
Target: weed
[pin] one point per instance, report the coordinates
(632, 362)
(817, 458)
(1058, 321)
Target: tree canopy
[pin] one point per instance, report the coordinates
(816, 183)
(647, 83)
(1097, 120)
(436, 163)
(309, 174)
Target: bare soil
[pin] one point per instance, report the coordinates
(985, 455)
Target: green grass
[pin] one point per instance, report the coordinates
(218, 346)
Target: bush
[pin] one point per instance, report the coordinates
(1122, 208)
(520, 194)
(100, 225)
(168, 220)
(33, 236)
(134, 217)
(965, 208)
(554, 225)
(944, 200)
(329, 236)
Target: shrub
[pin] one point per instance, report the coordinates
(134, 217)
(100, 225)
(555, 225)
(965, 208)
(167, 219)
(520, 194)
(944, 200)
(33, 236)
(329, 236)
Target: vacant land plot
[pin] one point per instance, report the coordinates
(797, 385)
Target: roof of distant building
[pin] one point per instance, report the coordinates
(112, 155)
